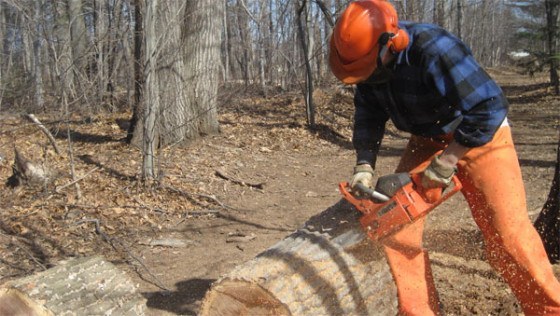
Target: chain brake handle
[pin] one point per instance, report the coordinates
(363, 205)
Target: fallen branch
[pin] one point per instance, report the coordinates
(112, 240)
(203, 213)
(62, 187)
(222, 175)
(209, 197)
(45, 131)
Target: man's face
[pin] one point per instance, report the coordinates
(382, 73)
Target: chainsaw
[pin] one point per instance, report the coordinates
(397, 201)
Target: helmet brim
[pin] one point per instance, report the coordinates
(354, 72)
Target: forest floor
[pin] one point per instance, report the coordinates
(225, 198)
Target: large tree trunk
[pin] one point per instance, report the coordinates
(85, 286)
(181, 71)
(78, 34)
(202, 30)
(38, 60)
(327, 267)
(151, 100)
(548, 221)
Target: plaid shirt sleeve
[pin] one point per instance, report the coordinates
(459, 78)
(369, 126)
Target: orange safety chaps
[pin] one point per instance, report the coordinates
(494, 190)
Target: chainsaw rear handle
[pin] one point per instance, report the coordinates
(434, 195)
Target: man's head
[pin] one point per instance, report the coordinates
(363, 34)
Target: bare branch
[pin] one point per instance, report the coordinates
(45, 131)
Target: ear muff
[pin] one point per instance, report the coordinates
(400, 41)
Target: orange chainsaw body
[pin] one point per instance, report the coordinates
(409, 203)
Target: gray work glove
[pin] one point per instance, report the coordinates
(362, 174)
(438, 175)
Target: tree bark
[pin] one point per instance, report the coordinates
(301, 12)
(78, 34)
(327, 267)
(552, 18)
(182, 67)
(203, 26)
(85, 286)
(38, 60)
(151, 97)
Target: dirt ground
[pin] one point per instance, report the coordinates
(225, 198)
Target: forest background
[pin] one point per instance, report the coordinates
(142, 83)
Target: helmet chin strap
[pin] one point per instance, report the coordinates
(381, 74)
(383, 47)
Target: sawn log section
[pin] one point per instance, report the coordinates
(327, 267)
(84, 286)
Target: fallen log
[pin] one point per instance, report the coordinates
(328, 267)
(84, 286)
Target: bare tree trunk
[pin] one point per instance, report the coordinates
(459, 17)
(78, 34)
(151, 100)
(245, 43)
(552, 19)
(439, 13)
(137, 109)
(310, 108)
(203, 62)
(38, 64)
(226, 46)
(179, 95)
(100, 50)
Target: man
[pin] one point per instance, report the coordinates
(427, 82)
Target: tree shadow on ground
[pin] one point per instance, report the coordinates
(327, 133)
(88, 159)
(35, 241)
(183, 300)
(87, 138)
(515, 93)
(537, 163)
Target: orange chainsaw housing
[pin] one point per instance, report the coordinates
(409, 203)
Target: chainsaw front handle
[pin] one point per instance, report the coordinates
(372, 193)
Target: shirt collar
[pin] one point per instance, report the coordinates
(403, 56)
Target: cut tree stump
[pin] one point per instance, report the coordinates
(84, 286)
(328, 267)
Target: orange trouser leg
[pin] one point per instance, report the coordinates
(493, 187)
(407, 259)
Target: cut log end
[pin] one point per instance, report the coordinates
(234, 297)
(16, 303)
(310, 272)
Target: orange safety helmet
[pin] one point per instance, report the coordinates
(359, 36)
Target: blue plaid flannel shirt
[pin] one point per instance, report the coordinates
(437, 88)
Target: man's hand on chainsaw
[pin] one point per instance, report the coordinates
(363, 174)
(439, 174)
